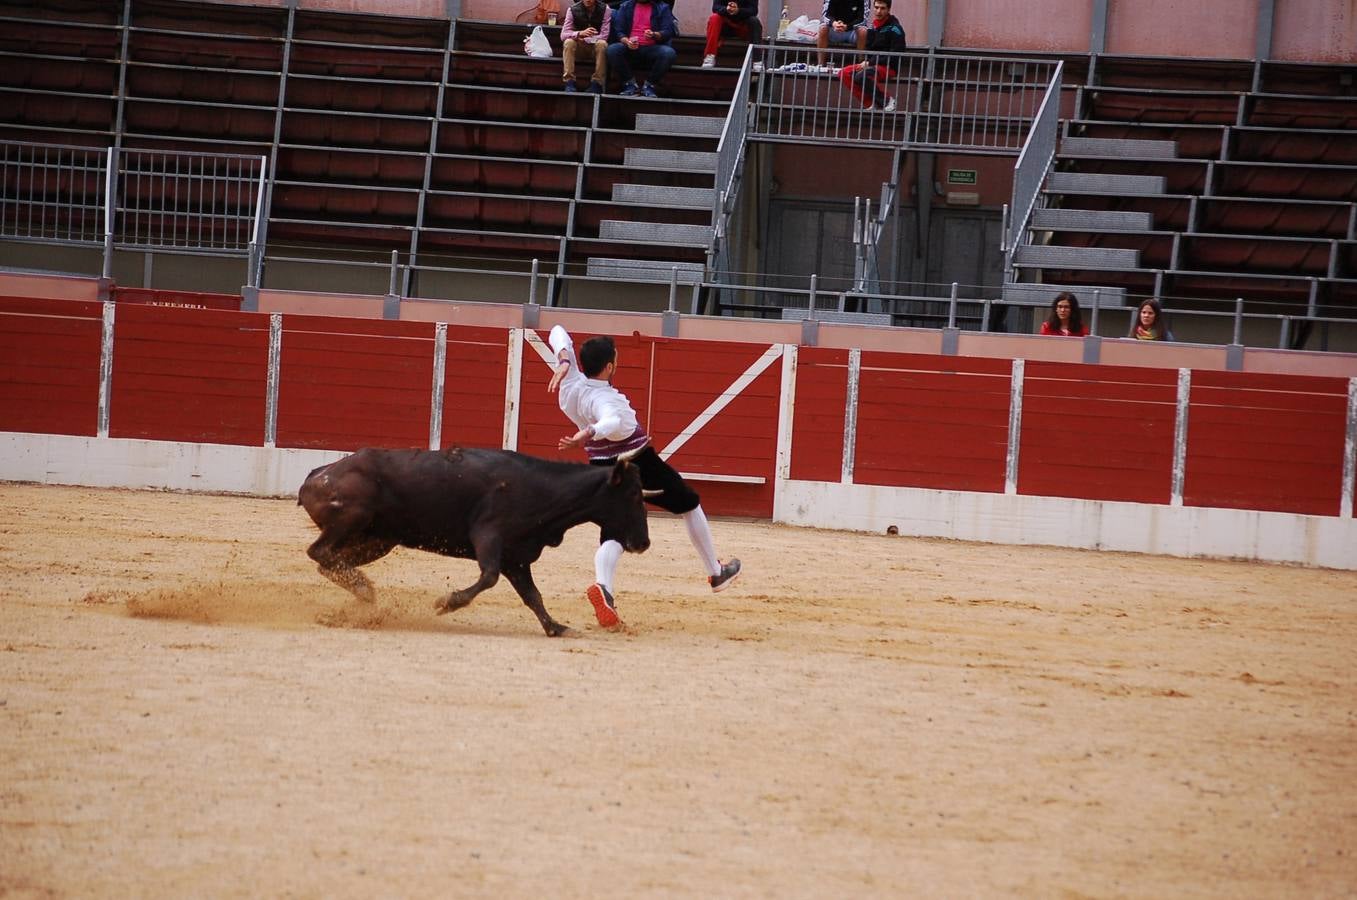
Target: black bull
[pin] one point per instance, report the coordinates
(497, 507)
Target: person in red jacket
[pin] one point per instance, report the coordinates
(1065, 318)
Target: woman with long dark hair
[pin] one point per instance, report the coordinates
(1065, 318)
(1150, 323)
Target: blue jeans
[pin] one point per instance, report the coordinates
(658, 57)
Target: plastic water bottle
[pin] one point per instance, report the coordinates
(786, 20)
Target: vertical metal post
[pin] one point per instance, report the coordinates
(1014, 428)
(275, 364)
(513, 385)
(1180, 437)
(110, 204)
(951, 307)
(850, 416)
(1349, 452)
(1238, 320)
(105, 370)
(1285, 337)
(813, 280)
(532, 283)
(1093, 316)
(673, 288)
(395, 267)
(440, 362)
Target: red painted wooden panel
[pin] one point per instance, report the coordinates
(1268, 442)
(741, 439)
(351, 383)
(1097, 432)
(540, 420)
(817, 419)
(189, 375)
(475, 369)
(932, 421)
(49, 365)
(165, 297)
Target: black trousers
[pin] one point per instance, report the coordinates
(657, 475)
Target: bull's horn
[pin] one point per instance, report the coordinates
(645, 493)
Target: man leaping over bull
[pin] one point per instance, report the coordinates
(609, 431)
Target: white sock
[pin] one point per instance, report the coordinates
(605, 563)
(700, 534)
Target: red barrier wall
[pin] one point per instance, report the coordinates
(475, 370)
(817, 419)
(1269, 442)
(351, 383)
(741, 439)
(1097, 432)
(49, 365)
(932, 421)
(189, 375)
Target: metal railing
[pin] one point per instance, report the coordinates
(973, 104)
(50, 192)
(730, 153)
(1034, 162)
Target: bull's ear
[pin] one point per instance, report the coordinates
(619, 469)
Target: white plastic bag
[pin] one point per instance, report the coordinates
(536, 44)
(803, 29)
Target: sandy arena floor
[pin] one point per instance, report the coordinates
(188, 709)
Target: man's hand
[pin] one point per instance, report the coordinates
(631, 43)
(652, 34)
(588, 32)
(840, 25)
(556, 376)
(575, 440)
(732, 8)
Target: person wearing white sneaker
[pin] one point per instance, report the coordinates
(609, 431)
(864, 79)
(737, 17)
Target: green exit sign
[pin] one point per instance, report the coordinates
(961, 176)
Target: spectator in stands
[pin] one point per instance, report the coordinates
(587, 22)
(737, 17)
(886, 34)
(1065, 317)
(1150, 323)
(841, 23)
(641, 32)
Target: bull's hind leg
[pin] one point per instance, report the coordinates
(521, 578)
(340, 563)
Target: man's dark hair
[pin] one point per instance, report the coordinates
(596, 353)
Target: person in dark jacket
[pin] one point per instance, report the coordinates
(841, 23)
(737, 17)
(886, 34)
(641, 33)
(587, 22)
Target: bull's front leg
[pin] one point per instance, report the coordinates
(487, 547)
(521, 578)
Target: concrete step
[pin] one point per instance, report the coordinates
(670, 160)
(658, 270)
(1125, 148)
(656, 233)
(662, 195)
(1077, 257)
(1098, 183)
(1091, 220)
(1043, 294)
(655, 123)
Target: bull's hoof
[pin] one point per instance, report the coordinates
(556, 629)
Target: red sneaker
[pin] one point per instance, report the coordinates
(605, 609)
